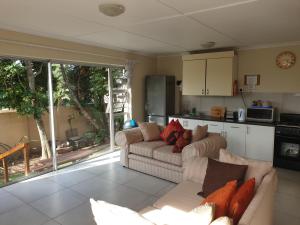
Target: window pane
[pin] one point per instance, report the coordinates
(24, 117)
(81, 112)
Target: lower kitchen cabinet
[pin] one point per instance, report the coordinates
(189, 124)
(235, 135)
(250, 141)
(260, 142)
(214, 127)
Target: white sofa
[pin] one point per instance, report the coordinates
(184, 198)
(156, 157)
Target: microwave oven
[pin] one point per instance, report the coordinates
(260, 114)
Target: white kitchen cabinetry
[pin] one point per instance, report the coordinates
(250, 141)
(235, 135)
(260, 142)
(214, 127)
(189, 124)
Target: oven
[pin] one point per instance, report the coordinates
(287, 147)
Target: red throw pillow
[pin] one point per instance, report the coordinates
(241, 200)
(221, 198)
(179, 127)
(171, 132)
(182, 141)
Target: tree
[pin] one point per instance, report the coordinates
(23, 87)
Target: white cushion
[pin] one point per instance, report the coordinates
(172, 216)
(222, 221)
(109, 214)
(257, 169)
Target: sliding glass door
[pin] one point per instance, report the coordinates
(85, 101)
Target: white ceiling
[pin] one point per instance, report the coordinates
(158, 26)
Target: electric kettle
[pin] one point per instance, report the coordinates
(241, 115)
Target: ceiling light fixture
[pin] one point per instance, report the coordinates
(208, 44)
(111, 9)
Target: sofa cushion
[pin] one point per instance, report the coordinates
(145, 148)
(150, 131)
(256, 168)
(168, 215)
(183, 197)
(219, 173)
(199, 133)
(165, 154)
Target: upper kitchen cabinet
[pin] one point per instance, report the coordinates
(194, 77)
(210, 74)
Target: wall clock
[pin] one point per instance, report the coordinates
(285, 60)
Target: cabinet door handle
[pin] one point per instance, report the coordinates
(203, 92)
(213, 125)
(247, 130)
(207, 91)
(234, 127)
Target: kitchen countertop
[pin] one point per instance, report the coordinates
(210, 118)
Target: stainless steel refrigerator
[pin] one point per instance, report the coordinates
(160, 98)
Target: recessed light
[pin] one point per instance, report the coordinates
(111, 9)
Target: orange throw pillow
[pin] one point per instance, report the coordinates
(221, 198)
(241, 200)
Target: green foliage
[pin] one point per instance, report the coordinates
(14, 88)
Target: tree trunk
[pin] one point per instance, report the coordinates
(46, 153)
(76, 100)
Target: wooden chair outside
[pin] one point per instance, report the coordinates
(20, 147)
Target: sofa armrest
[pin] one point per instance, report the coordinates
(124, 139)
(207, 147)
(260, 209)
(127, 137)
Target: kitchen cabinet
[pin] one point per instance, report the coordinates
(193, 81)
(214, 127)
(219, 77)
(235, 135)
(260, 142)
(210, 74)
(189, 124)
(250, 141)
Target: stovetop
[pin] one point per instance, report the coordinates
(289, 119)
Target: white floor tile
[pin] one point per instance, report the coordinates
(283, 218)
(148, 184)
(69, 178)
(95, 187)
(287, 204)
(125, 196)
(23, 215)
(8, 202)
(81, 215)
(58, 203)
(286, 186)
(52, 222)
(120, 175)
(30, 191)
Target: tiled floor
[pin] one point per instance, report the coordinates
(62, 198)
